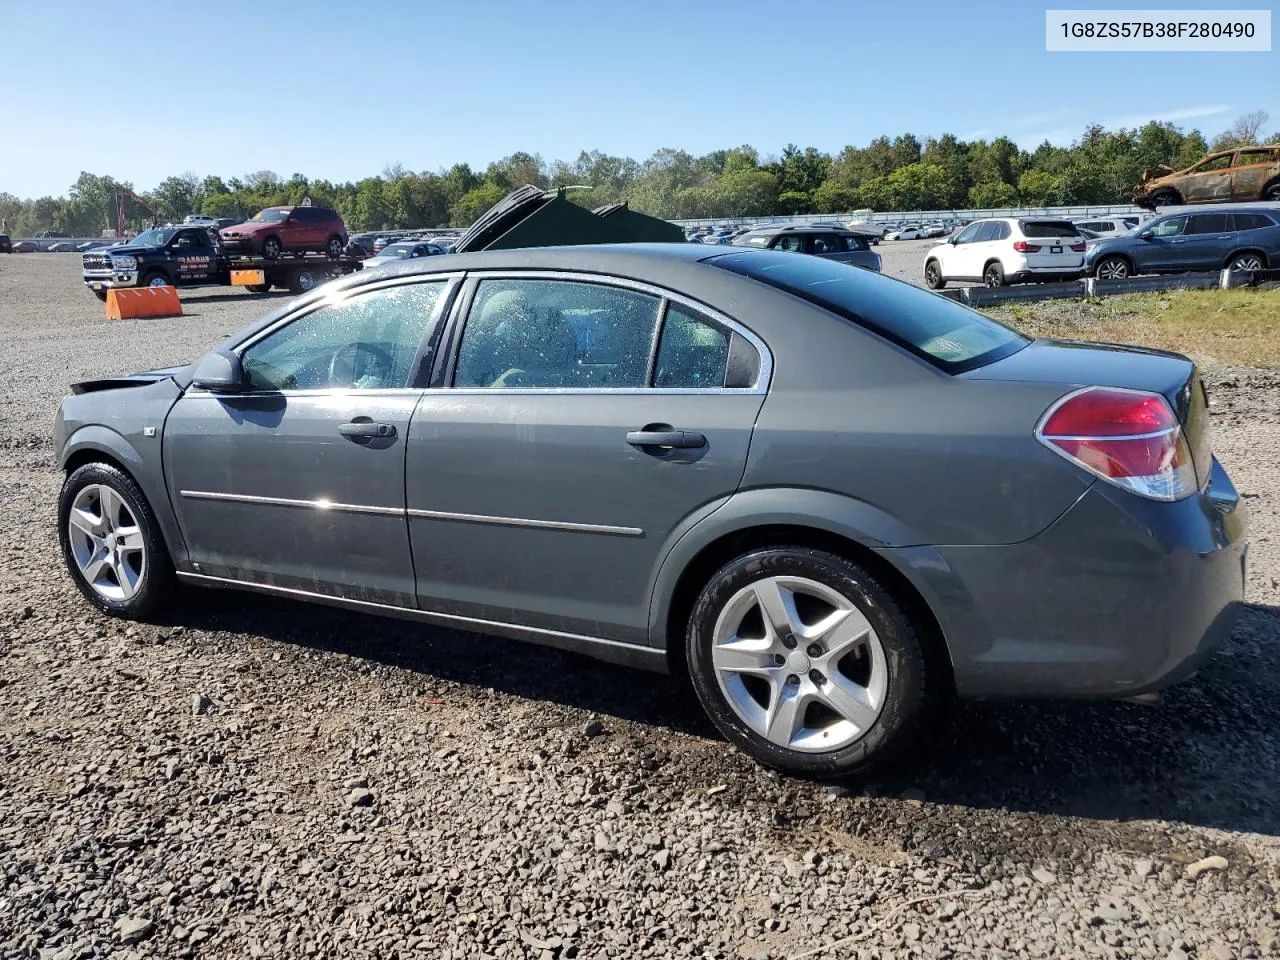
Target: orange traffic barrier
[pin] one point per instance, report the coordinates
(129, 303)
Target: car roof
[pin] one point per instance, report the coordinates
(799, 228)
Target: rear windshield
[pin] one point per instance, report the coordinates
(941, 331)
(1048, 228)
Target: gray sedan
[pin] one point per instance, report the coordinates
(833, 498)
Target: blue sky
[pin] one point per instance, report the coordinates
(339, 90)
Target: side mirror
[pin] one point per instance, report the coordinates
(952, 240)
(219, 371)
(1145, 235)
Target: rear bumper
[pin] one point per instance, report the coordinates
(1046, 276)
(1120, 596)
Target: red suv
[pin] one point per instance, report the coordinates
(294, 229)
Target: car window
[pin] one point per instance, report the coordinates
(752, 241)
(1251, 221)
(554, 334)
(1263, 155)
(1003, 231)
(827, 243)
(1216, 163)
(988, 231)
(854, 243)
(1209, 223)
(692, 353)
(789, 242)
(968, 234)
(1168, 228)
(367, 342)
(951, 336)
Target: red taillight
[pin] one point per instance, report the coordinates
(1023, 247)
(1127, 437)
(1078, 247)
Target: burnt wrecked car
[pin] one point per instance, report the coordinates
(1242, 174)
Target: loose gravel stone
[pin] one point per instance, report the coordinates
(1208, 863)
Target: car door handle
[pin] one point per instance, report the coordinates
(367, 429)
(675, 439)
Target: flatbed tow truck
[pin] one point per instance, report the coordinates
(193, 256)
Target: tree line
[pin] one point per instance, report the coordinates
(901, 173)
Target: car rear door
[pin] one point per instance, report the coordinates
(581, 424)
(1254, 168)
(1205, 242)
(1053, 245)
(297, 482)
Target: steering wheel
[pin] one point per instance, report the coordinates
(342, 365)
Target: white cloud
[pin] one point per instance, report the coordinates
(1167, 116)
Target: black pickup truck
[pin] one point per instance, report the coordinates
(193, 256)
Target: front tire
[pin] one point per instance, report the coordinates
(933, 275)
(334, 247)
(806, 662)
(111, 542)
(157, 278)
(1165, 198)
(271, 248)
(1112, 268)
(100, 294)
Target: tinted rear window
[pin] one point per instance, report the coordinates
(1048, 228)
(1251, 221)
(941, 331)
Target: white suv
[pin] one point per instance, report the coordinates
(1007, 250)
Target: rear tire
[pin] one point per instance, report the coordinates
(1272, 192)
(111, 542)
(1246, 262)
(933, 275)
(304, 279)
(334, 247)
(271, 248)
(993, 274)
(783, 692)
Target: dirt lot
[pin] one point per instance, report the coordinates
(256, 778)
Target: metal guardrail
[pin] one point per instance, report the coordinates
(1091, 287)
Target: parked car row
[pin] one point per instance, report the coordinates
(1005, 250)
(829, 241)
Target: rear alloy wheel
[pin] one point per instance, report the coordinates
(993, 276)
(111, 542)
(1112, 268)
(1272, 193)
(806, 662)
(334, 247)
(1246, 262)
(271, 248)
(933, 276)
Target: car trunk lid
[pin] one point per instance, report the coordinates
(1075, 364)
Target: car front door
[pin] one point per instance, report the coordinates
(582, 424)
(1210, 181)
(954, 255)
(194, 254)
(297, 480)
(1159, 246)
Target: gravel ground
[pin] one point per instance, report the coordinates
(260, 778)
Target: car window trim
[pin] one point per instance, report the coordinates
(452, 282)
(446, 356)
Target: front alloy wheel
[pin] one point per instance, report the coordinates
(1112, 268)
(806, 662)
(111, 542)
